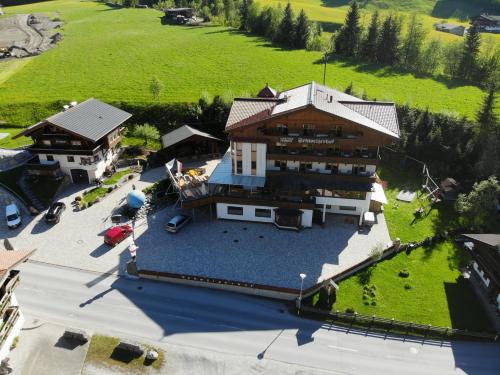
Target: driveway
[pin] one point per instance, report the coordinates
(77, 241)
(231, 250)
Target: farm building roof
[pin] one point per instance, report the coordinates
(379, 116)
(91, 119)
(486, 238)
(182, 133)
(448, 26)
(489, 17)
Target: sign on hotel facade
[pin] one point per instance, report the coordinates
(318, 141)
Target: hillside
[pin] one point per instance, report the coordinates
(112, 54)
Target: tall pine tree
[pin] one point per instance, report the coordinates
(286, 29)
(388, 51)
(302, 30)
(347, 40)
(245, 14)
(412, 43)
(469, 61)
(369, 44)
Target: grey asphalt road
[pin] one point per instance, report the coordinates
(246, 329)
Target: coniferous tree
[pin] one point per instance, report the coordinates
(431, 57)
(468, 62)
(488, 143)
(245, 14)
(369, 44)
(286, 29)
(349, 89)
(412, 43)
(388, 52)
(302, 30)
(347, 40)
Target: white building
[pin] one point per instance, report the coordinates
(80, 141)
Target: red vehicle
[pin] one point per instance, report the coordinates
(117, 234)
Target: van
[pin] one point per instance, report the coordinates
(13, 216)
(177, 222)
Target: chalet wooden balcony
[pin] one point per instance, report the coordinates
(310, 135)
(7, 288)
(325, 156)
(63, 149)
(359, 177)
(49, 166)
(9, 317)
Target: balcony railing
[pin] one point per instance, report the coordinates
(47, 166)
(311, 134)
(9, 320)
(323, 153)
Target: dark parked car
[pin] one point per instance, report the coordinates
(53, 215)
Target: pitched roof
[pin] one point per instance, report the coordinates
(490, 239)
(11, 258)
(182, 133)
(490, 17)
(379, 116)
(91, 119)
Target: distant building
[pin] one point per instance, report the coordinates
(450, 28)
(485, 249)
(487, 23)
(80, 141)
(179, 15)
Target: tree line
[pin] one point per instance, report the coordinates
(390, 41)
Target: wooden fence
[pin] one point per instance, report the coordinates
(374, 323)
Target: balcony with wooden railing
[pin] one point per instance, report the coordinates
(322, 155)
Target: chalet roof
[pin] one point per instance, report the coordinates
(91, 119)
(379, 116)
(267, 92)
(182, 133)
(485, 238)
(448, 26)
(10, 259)
(489, 17)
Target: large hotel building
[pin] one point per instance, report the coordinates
(300, 154)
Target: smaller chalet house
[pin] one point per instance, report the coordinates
(80, 141)
(11, 318)
(450, 28)
(487, 23)
(485, 249)
(300, 154)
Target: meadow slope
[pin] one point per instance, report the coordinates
(112, 54)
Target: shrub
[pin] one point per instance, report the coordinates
(404, 273)
(367, 303)
(350, 310)
(365, 296)
(14, 343)
(97, 200)
(90, 204)
(374, 303)
(130, 176)
(83, 205)
(78, 198)
(372, 294)
(376, 252)
(110, 189)
(407, 286)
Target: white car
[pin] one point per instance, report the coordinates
(13, 216)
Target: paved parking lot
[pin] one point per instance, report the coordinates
(240, 251)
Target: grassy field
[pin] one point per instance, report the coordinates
(436, 293)
(331, 13)
(112, 54)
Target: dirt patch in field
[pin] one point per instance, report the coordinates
(28, 34)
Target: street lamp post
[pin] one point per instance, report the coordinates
(302, 277)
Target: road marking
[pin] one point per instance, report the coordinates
(342, 348)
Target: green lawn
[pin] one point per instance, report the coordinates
(117, 177)
(112, 54)
(101, 353)
(400, 216)
(91, 195)
(438, 295)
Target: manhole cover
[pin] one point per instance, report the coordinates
(261, 236)
(244, 228)
(225, 231)
(139, 288)
(236, 240)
